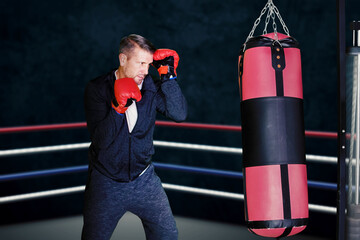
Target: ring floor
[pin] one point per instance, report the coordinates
(130, 228)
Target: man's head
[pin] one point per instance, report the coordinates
(135, 57)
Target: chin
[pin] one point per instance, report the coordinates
(138, 81)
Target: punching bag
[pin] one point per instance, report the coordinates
(274, 168)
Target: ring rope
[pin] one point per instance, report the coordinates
(205, 126)
(42, 173)
(41, 194)
(78, 146)
(45, 149)
(189, 146)
(46, 127)
(161, 166)
(202, 191)
(201, 147)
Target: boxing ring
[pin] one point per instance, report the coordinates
(163, 166)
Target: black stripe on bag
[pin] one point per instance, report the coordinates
(281, 140)
(285, 223)
(286, 232)
(285, 190)
(262, 41)
(279, 83)
(278, 63)
(286, 196)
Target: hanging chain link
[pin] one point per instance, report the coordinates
(257, 21)
(267, 20)
(276, 10)
(271, 10)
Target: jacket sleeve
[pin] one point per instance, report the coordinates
(103, 122)
(171, 102)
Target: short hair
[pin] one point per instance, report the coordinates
(128, 43)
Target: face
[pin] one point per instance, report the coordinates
(135, 64)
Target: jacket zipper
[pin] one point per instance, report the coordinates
(129, 157)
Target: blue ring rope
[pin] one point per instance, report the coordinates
(42, 173)
(163, 166)
(198, 170)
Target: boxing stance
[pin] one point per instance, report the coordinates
(120, 109)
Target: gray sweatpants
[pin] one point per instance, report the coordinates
(106, 201)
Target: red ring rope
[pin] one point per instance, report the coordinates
(46, 127)
(63, 126)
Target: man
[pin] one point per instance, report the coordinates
(120, 112)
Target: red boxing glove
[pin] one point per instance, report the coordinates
(125, 91)
(166, 62)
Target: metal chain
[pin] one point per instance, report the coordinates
(276, 10)
(267, 20)
(274, 21)
(257, 21)
(272, 11)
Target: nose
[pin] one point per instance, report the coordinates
(145, 69)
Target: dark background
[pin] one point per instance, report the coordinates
(51, 49)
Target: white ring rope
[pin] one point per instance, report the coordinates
(189, 146)
(203, 191)
(45, 149)
(35, 195)
(180, 188)
(321, 208)
(200, 147)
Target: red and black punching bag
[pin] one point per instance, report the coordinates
(274, 168)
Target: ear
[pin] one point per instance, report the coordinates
(122, 59)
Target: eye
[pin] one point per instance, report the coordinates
(145, 64)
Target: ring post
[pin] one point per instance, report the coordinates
(353, 117)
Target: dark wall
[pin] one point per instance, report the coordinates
(51, 49)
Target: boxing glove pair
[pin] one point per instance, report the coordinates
(126, 90)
